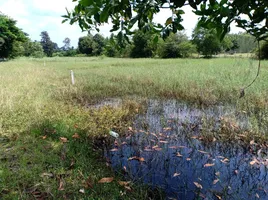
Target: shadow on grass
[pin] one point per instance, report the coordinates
(55, 161)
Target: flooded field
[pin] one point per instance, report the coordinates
(192, 153)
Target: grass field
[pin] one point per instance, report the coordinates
(47, 129)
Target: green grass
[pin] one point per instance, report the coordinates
(39, 105)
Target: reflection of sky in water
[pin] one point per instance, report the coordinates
(183, 166)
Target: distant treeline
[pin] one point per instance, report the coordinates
(15, 43)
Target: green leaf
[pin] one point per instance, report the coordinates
(192, 4)
(178, 3)
(168, 21)
(65, 20)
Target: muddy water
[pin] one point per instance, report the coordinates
(164, 149)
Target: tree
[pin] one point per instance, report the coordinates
(67, 44)
(47, 44)
(85, 44)
(10, 37)
(142, 45)
(250, 15)
(176, 46)
(98, 44)
(33, 49)
(206, 42)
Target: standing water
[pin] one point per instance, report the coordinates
(167, 148)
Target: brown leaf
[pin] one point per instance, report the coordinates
(44, 137)
(63, 139)
(106, 180)
(115, 149)
(217, 173)
(124, 183)
(209, 164)
(204, 152)
(225, 160)
(61, 185)
(76, 136)
(198, 185)
(45, 174)
(215, 181)
(163, 141)
(178, 154)
(128, 188)
(188, 159)
(257, 195)
(89, 183)
(218, 197)
(141, 159)
(253, 162)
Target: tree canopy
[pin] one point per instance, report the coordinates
(10, 36)
(250, 15)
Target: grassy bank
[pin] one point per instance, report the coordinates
(49, 132)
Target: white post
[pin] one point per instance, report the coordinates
(72, 76)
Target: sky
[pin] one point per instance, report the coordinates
(35, 16)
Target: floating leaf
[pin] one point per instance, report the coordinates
(176, 174)
(257, 195)
(63, 139)
(194, 137)
(236, 172)
(217, 173)
(115, 149)
(178, 154)
(209, 164)
(167, 129)
(106, 180)
(163, 141)
(198, 185)
(141, 159)
(225, 160)
(188, 159)
(204, 152)
(215, 181)
(253, 162)
(173, 147)
(218, 197)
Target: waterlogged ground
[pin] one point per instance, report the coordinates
(180, 149)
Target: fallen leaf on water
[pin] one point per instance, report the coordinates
(225, 160)
(204, 152)
(176, 174)
(217, 173)
(218, 196)
(178, 154)
(215, 181)
(124, 183)
(106, 180)
(115, 149)
(253, 162)
(63, 139)
(82, 191)
(236, 172)
(202, 195)
(209, 164)
(158, 149)
(220, 157)
(257, 195)
(188, 159)
(147, 149)
(76, 136)
(194, 137)
(167, 128)
(198, 185)
(130, 128)
(163, 141)
(141, 159)
(182, 147)
(125, 169)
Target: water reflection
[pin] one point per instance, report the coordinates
(164, 149)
